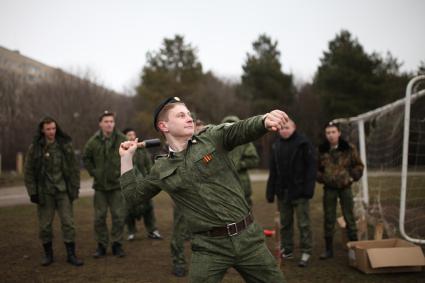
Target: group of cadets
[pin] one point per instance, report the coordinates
(205, 171)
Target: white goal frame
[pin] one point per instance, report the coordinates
(360, 119)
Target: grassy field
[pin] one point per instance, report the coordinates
(149, 261)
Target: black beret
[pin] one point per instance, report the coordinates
(160, 106)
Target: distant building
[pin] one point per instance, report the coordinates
(30, 69)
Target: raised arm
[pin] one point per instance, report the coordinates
(245, 131)
(136, 188)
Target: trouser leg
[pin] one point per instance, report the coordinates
(46, 213)
(347, 207)
(118, 210)
(286, 225)
(66, 216)
(100, 204)
(302, 211)
(149, 217)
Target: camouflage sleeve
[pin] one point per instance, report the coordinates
(356, 169)
(241, 132)
(137, 189)
(29, 172)
(88, 158)
(250, 158)
(320, 170)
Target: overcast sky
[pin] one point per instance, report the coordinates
(111, 38)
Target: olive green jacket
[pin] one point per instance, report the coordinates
(201, 180)
(102, 160)
(35, 174)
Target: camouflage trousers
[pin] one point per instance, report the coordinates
(245, 252)
(301, 208)
(113, 200)
(180, 233)
(330, 199)
(146, 211)
(46, 212)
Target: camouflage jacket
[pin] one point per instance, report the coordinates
(201, 180)
(35, 170)
(340, 167)
(102, 160)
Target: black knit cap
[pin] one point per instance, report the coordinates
(169, 100)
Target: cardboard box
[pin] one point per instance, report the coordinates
(385, 256)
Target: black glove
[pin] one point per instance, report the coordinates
(34, 199)
(270, 197)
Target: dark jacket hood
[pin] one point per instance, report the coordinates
(61, 136)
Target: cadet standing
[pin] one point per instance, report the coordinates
(52, 179)
(292, 179)
(142, 162)
(244, 157)
(339, 165)
(102, 161)
(202, 181)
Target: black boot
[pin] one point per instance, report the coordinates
(329, 252)
(117, 250)
(72, 258)
(48, 254)
(100, 251)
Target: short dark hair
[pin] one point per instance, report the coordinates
(332, 124)
(106, 113)
(47, 120)
(126, 130)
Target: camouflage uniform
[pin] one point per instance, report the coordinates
(102, 161)
(52, 179)
(203, 183)
(338, 168)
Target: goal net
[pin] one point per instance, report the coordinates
(378, 196)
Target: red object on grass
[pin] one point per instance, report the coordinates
(269, 233)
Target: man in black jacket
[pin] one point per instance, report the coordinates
(292, 180)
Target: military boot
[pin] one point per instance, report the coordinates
(72, 258)
(48, 254)
(117, 250)
(100, 251)
(329, 252)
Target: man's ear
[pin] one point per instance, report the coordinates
(163, 127)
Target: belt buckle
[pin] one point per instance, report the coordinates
(228, 226)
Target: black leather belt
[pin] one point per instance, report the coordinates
(231, 229)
